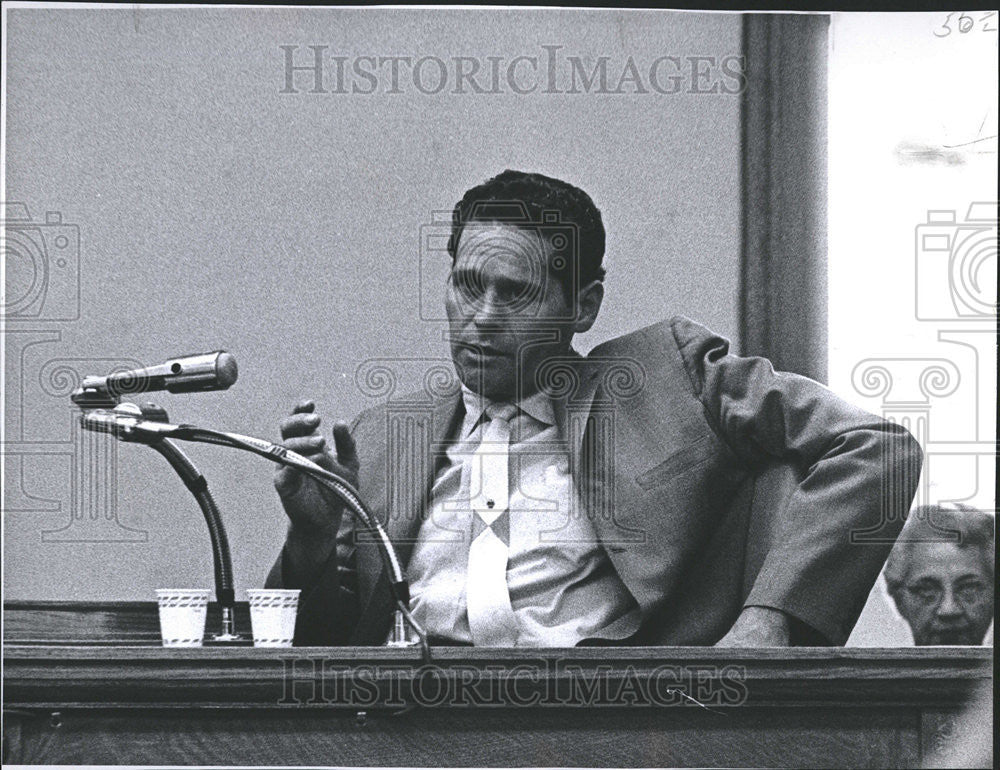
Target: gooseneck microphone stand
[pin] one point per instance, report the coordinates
(225, 594)
(96, 417)
(148, 425)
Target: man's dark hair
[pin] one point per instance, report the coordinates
(528, 200)
(932, 523)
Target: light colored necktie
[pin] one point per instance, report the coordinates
(491, 618)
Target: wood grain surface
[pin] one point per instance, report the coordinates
(89, 683)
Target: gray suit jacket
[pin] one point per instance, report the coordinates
(712, 481)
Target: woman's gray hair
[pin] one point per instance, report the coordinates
(938, 524)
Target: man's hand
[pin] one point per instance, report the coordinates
(314, 511)
(758, 627)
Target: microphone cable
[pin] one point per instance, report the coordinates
(342, 488)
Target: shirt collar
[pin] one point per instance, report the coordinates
(536, 405)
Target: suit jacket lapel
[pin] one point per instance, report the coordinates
(591, 422)
(644, 433)
(572, 405)
(424, 440)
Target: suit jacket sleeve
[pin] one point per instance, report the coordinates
(328, 605)
(859, 473)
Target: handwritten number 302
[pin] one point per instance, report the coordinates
(965, 23)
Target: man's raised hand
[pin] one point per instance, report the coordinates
(310, 507)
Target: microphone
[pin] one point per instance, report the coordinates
(189, 374)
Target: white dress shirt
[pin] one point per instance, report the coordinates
(563, 588)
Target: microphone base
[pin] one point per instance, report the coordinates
(402, 635)
(219, 640)
(228, 635)
(228, 640)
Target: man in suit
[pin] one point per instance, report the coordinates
(656, 491)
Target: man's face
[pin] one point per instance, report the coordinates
(507, 313)
(948, 595)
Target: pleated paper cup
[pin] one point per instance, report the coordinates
(182, 616)
(272, 615)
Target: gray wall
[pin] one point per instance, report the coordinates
(214, 211)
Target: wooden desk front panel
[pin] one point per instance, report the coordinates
(617, 737)
(90, 685)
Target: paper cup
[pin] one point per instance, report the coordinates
(272, 615)
(182, 616)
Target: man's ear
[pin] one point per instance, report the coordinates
(588, 305)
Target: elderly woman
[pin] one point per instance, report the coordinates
(940, 574)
